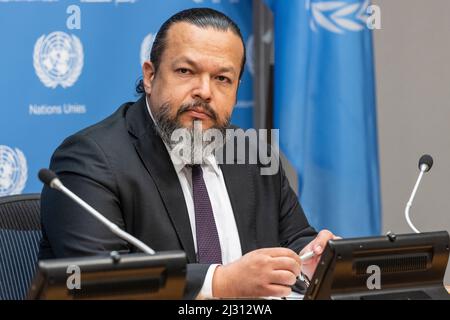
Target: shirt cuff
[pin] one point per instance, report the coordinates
(206, 291)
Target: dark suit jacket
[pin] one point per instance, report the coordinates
(121, 167)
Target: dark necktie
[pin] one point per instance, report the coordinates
(208, 245)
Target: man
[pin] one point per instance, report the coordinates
(241, 231)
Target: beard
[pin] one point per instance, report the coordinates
(195, 140)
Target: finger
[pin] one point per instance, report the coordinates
(288, 264)
(276, 290)
(321, 241)
(282, 277)
(281, 252)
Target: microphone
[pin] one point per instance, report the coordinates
(425, 164)
(50, 179)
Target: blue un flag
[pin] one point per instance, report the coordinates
(325, 109)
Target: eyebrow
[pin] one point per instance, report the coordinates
(194, 64)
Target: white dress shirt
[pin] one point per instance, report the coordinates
(220, 202)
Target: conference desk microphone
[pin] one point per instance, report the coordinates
(50, 179)
(425, 164)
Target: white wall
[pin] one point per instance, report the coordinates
(413, 80)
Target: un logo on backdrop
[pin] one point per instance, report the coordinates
(338, 16)
(13, 171)
(58, 59)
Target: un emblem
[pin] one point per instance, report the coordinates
(338, 16)
(13, 171)
(58, 59)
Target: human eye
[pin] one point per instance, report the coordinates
(183, 71)
(223, 79)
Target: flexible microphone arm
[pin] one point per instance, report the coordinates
(425, 164)
(51, 179)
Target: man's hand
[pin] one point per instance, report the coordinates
(317, 246)
(263, 272)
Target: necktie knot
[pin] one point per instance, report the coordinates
(195, 168)
(197, 173)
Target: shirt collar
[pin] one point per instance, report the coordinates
(180, 163)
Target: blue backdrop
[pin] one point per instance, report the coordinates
(68, 64)
(326, 112)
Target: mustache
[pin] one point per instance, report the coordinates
(198, 106)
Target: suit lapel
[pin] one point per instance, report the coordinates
(156, 159)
